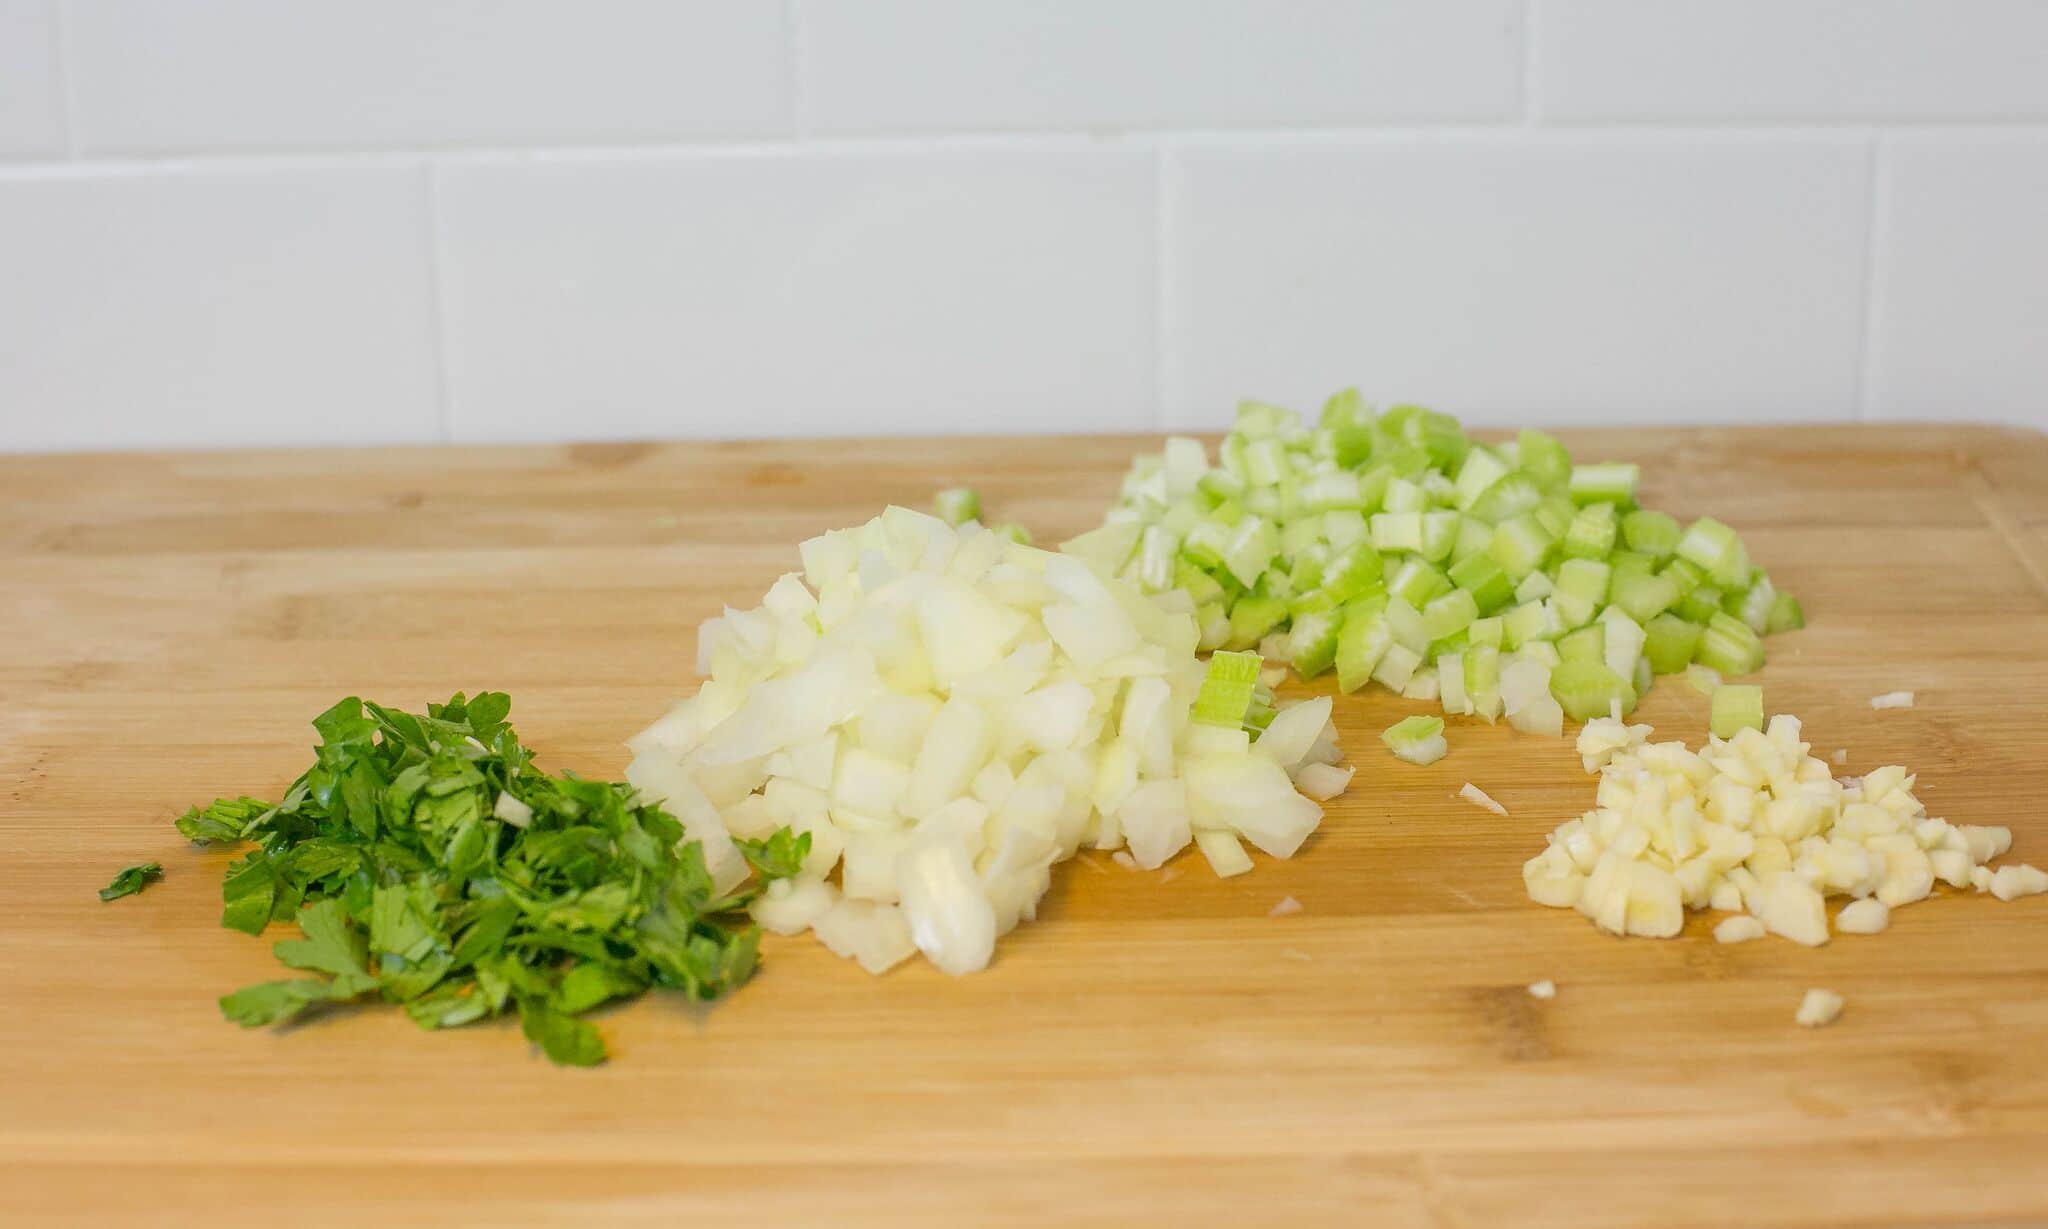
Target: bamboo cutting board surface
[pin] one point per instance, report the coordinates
(1157, 1048)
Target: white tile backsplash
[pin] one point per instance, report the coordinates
(202, 308)
(925, 65)
(1574, 280)
(229, 222)
(776, 294)
(1962, 281)
(259, 74)
(1775, 60)
(31, 92)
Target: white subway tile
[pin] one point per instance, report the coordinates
(1561, 280)
(873, 65)
(208, 308)
(258, 74)
(31, 112)
(1962, 281)
(732, 295)
(1791, 59)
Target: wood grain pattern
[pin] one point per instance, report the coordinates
(1157, 1049)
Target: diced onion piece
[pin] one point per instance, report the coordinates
(950, 917)
(1479, 797)
(878, 936)
(1293, 732)
(955, 749)
(1322, 782)
(1892, 699)
(868, 869)
(1542, 715)
(1545, 989)
(1226, 857)
(1154, 817)
(1251, 796)
(792, 906)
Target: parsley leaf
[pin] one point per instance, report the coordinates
(274, 1002)
(331, 944)
(563, 1038)
(779, 855)
(404, 881)
(132, 879)
(227, 819)
(249, 894)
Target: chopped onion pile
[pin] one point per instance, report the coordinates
(948, 713)
(1397, 550)
(1753, 825)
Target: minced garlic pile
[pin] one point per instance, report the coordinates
(1753, 825)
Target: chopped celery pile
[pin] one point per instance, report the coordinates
(1392, 548)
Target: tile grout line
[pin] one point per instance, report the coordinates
(1506, 134)
(437, 302)
(1875, 218)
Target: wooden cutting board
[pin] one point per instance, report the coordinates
(1157, 1048)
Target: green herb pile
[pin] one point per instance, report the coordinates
(428, 862)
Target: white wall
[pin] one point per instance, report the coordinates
(281, 221)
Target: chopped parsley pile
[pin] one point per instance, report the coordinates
(428, 862)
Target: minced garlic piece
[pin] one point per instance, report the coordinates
(1740, 928)
(1819, 1008)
